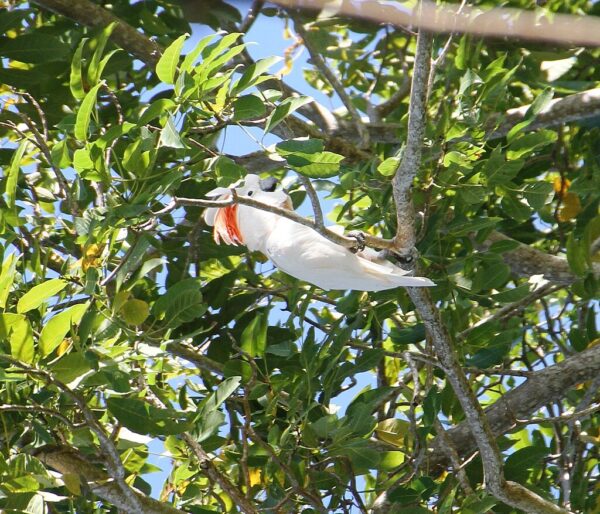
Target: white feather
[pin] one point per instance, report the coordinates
(305, 254)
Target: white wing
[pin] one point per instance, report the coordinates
(305, 254)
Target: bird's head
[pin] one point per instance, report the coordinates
(225, 220)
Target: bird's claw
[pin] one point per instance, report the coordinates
(360, 241)
(406, 257)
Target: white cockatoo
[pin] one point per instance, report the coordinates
(296, 249)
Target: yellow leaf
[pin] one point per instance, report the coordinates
(63, 346)
(561, 186)
(93, 250)
(255, 475)
(392, 431)
(570, 207)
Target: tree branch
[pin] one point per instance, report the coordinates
(411, 158)
(501, 22)
(525, 261)
(216, 476)
(559, 111)
(545, 386)
(348, 242)
(321, 65)
(68, 461)
(92, 15)
(511, 493)
(113, 461)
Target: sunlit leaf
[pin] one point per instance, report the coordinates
(40, 293)
(82, 122)
(59, 326)
(167, 64)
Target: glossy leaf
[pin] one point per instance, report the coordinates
(40, 293)
(167, 64)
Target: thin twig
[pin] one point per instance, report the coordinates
(454, 458)
(314, 200)
(322, 66)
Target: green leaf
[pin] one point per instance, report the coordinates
(490, 277)
(190, 58)
(406, 336)
(516, 208)
(538, 194)
(299, 147)
(136, 256)
(143, 418)
(248, 107)
(156, 109)
(390, 460)
(254, 336)
(284, 109)
(498, 170)
(95, 67)
(393, 431)
(512, 295)
(169, 136)
(70, 367)
(75, 78)
(462, 228)
(12, 176)
(250, 77)
(306, 157)
(181, 303)
(388, 167)
(34, 48)
(167, 64)
(323, 165)
(7, 277)
(521, 461)
(223, 391)
(33, 298)
(361, 456)
(82, 121)
(58, 326)
(135, 311)
(17, 330)
(537, 106)
(525, 144)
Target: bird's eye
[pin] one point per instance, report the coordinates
(250, 193)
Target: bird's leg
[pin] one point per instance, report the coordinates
(360, 241)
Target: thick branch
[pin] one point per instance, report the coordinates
(544, 387)
(411, 158)
(69, 461)
(501, 22)
(578, 106)
(525, 261)
(477, 424)
(92, 15)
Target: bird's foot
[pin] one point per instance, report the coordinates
(406, 257)
(360, 241)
